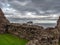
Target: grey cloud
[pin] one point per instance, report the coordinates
(36, 5)
(42, 5)
(46, 4)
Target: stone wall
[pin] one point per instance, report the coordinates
(47, 37)
(26, 31)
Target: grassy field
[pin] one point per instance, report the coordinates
(8, 39)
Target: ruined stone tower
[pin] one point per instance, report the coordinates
(58, 24)
(3, 21)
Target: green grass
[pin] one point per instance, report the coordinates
(8, 39)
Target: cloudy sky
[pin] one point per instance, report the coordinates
(38, 11)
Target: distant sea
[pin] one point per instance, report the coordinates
(45, 25)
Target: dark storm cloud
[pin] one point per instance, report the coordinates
(36, 5)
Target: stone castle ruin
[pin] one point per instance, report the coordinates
(36, 35)
(3, 22)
